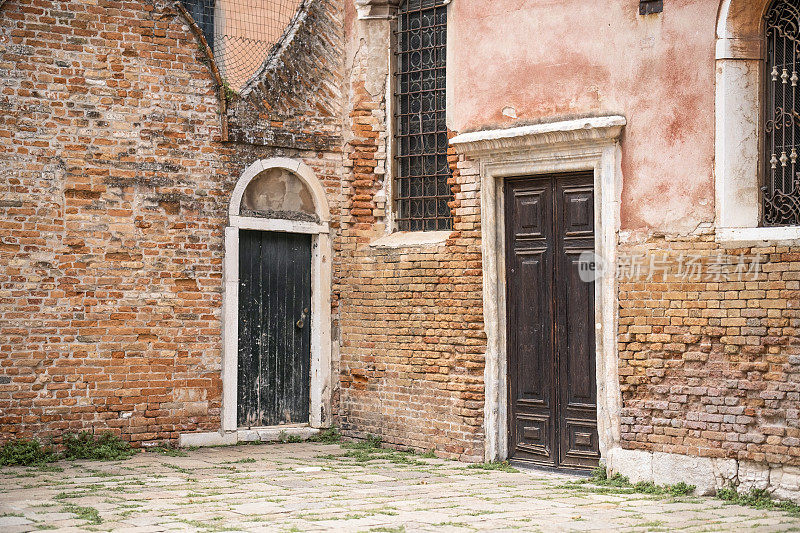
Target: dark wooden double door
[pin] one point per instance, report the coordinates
(274, 375)
(550, 317)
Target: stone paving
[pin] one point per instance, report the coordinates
(327, 487)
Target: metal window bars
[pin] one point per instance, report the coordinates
(241, 33)
(781, 189)
(421, 190)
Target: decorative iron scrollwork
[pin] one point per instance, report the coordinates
(421, 191)
(781, 189)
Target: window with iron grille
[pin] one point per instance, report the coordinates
(781, 189)
(202, 12)
(421, 189)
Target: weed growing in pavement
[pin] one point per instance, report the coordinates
(502, 466)
(757, 499)
(90, 514)
(601, 483)
(26, 452)
(327, 436)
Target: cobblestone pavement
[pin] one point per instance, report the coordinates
(319, 487)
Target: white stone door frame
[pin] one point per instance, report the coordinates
(321, 253)
(568, 146)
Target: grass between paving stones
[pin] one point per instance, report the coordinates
(758, 499)
(371, 449)
(169, 451)
(601, 483)
(84, 445)
(240, 461)
(205, 525)
(317, 517)
(502, 466)
(90, 514)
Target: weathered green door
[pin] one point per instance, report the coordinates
(274, 328)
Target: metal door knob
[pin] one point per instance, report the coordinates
(302, 321)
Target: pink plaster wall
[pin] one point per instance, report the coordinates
(551, 59)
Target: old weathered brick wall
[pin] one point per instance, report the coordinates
(710, 366)
(410, 322)
(113, 196)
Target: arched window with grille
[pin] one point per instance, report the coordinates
(781, 188)
(421, 191)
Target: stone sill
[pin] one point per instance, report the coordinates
(410, 239)
(787, 236)
(274, 433)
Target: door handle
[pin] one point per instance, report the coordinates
(302, 321)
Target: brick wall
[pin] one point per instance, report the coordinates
(410, 319)
(113, 199)
(711, 366)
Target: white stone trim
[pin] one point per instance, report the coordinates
(404, 239)
(707, 474)
(321, 259)
(231, 438)
(376, 9)
(736, 160)
(277, 224)
(745, 237)
(549, 133)
(211, 438)
(585, 144)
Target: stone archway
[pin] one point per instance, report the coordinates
(313, 219)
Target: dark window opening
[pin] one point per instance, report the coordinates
(202, 12)
(422, 193)
(649, 7)
(781, 189)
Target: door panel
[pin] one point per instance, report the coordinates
(529, 257)
(550, 336)
(274, 328)
(575, 344)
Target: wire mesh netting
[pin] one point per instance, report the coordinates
(241, 32)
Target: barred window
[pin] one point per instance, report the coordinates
(421, 189)
(781, 189)
(202, 12)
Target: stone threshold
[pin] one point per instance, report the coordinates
(260, 434)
